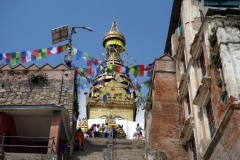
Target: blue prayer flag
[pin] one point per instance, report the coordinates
(8, 61)
(104, 64)
(149, 74)
(1, 56)
(127, 70)
(33, 58)
(23, 54)
(79, 54)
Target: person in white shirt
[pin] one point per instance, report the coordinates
(106, 130)
(138, 132)
(97, 134)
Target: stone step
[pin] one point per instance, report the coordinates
(123, 149)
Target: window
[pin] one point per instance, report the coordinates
(188, 107)
(183, 64)
(211, 121)
(179, 28)
(221, 78)
(192, 148)
(202, 64)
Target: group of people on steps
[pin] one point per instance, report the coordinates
(106, 130)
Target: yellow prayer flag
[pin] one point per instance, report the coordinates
(44, 50)
(101, 67)
(139, 94)
(18, 54)
(85, 54)
(131, 69)
(39, 56)
(13, 61)
(109, 66)
(104, 91)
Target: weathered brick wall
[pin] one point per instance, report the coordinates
(18, 90)
(229, 145)
(165, 128)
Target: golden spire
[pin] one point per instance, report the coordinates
(114, 37)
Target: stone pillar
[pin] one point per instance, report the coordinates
(55, 131)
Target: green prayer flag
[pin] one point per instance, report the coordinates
(43, 54)
(18, 60)
(109, 70)
(13, 55)
(113, 67)
(40, 51)
(139, 88)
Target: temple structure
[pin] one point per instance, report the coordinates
(123, 106)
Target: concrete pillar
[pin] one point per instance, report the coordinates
(55, 131)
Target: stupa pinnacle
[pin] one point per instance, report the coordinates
(111, 83)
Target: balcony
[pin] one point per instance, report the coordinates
(182, 86)
(203, 91)
(187, 130)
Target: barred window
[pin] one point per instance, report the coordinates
(202, 64)
(192, 147)
(188, 104)
(183, 64)
(211, 121)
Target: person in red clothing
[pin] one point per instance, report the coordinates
(79, 140)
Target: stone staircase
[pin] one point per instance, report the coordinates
(123, 149)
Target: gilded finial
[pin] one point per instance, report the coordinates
(114, 26)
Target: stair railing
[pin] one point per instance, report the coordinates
(108, 153)
(29, 146)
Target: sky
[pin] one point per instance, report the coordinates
(27, 24)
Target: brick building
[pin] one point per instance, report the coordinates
(195, 91)
(37, 102)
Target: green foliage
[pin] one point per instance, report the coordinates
(219, 82)
(213, 54)
(212, 37)
(223, 96)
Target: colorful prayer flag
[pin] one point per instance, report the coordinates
(89, 63)
(89, 71)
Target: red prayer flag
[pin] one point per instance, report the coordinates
(118, 69)
(48, 53)
(140, 67)
(115, 94)
(8, 56)
(140, 72)
(89, 71)
(35, 53)
(60, 49)
(89, 63)
(23, 59)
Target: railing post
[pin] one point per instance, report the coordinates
(107, 154)
(52, 150)
(2, 142)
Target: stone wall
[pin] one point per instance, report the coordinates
(229, 145)
(18, 90)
